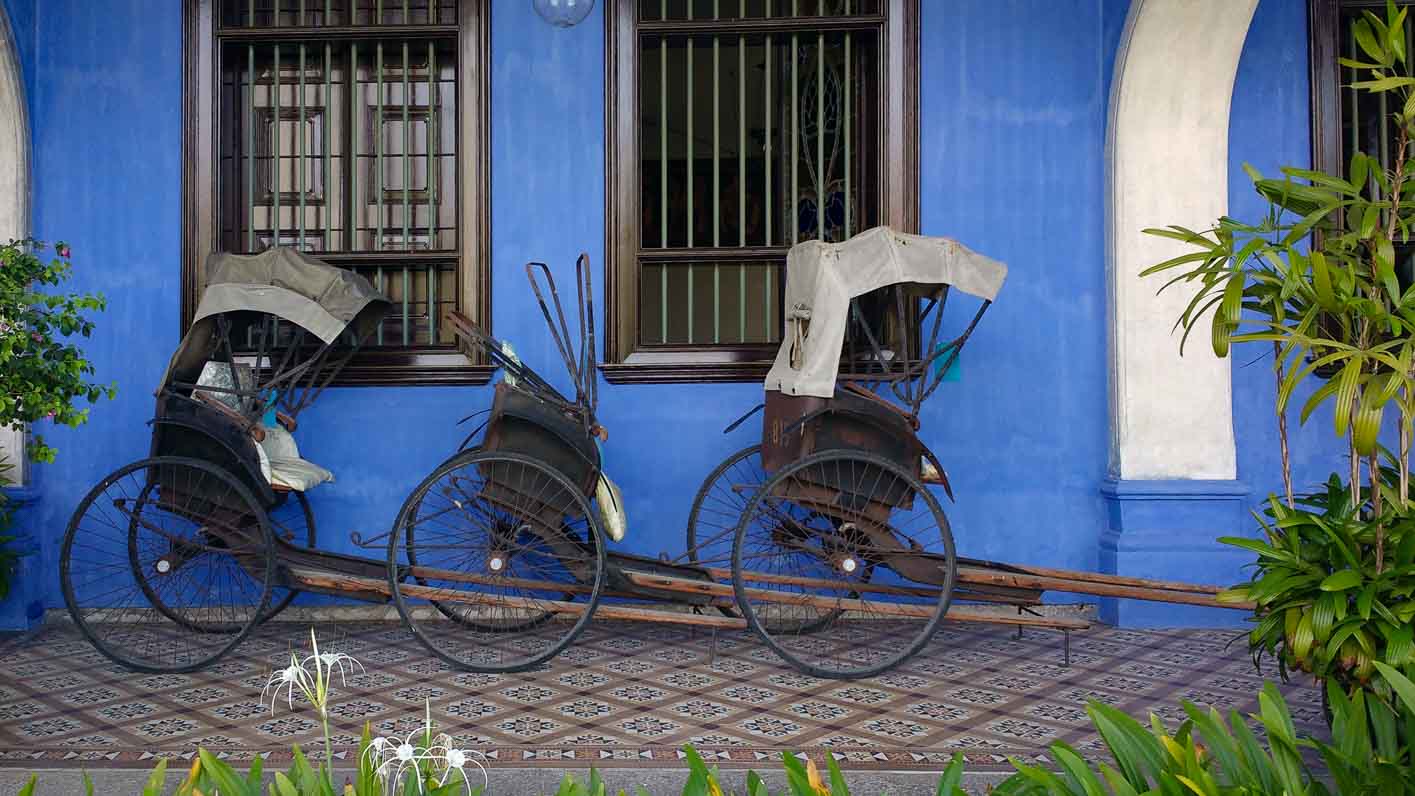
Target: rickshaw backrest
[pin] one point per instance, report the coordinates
(190, 429)
(522, 423)
(796, 426)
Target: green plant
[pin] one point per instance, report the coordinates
(42, 375)
(1326, 606)
(1208, 756)
(1316, 281)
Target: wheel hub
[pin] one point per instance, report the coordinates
(496, 563)
(163, 565)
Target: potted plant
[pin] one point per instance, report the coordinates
(1317, 281)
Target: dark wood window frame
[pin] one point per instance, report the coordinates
(1324, 34)
(625, 361)
(388, 366)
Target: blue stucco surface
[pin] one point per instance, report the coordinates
(21, 14)
(1012, 163)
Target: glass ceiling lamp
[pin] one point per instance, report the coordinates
(563, 13)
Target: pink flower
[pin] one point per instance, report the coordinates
(37, 337)
(63, 250)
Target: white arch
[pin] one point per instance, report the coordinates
(14, 179)
(1167, 163)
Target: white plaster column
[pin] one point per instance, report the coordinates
(14, 186)
(1167, 163)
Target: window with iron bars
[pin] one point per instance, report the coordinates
(738, 128)
(352, 129)
(1347, 120)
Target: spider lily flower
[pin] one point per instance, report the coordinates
(424, 756)
(331, 662)
(288, 679)
(311, 676)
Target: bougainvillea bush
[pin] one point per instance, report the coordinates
(43, 372)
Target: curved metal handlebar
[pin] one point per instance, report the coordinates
(580, 365)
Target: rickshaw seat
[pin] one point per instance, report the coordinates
(279, 456)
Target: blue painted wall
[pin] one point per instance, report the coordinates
(21, 16)
(1269, 128)
(1013, 129)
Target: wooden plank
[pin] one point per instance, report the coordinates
(1116, 580)
(625, 612)
(909, 610)
(1021, 580)
(1024, 597)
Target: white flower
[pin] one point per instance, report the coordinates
(336, 661)
(288, 679)
(395, 758)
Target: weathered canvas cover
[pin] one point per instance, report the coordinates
(283, 282)
(821, 278)
(290, 284)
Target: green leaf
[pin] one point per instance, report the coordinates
(1399, 683)
(283, 786)
(950, 783)
(223, 775)
(1342, 580)
(28, 789)
(756, 787)
(157, 780)
(837, 779)
(1076, 770)
(1349, 382)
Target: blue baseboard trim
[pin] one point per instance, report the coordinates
(1169, 530)
(22, 609)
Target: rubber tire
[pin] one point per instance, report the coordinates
(739, 584)
(395, 580)
(66, 582)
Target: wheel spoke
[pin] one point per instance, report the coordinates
(812, 535)
(516, 541)
(166, 564)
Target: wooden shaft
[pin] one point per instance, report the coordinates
(1116, 580)
(823, 583)
(329, 580)
(910, 610)
(1066, 584)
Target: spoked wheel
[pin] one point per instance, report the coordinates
(718, 507)
(292, 521)
(496, 562)
(844, 564)
(167, 564)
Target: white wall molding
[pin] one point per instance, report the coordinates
(14, 184)
(1167, 163)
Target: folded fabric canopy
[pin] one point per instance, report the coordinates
(286, 283)
(822, 278)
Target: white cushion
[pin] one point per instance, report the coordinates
(297, 474)
(282, 466)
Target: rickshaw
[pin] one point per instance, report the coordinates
(826, 539)
(835, 549)
(171, 560)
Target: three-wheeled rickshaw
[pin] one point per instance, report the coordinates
(827, 539)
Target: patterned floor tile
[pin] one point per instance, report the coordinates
(626, 695)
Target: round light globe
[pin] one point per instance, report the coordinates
(563, 13)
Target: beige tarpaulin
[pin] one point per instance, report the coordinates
(821, 278)
(283, 282)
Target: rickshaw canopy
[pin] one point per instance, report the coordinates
(822, 278)
(285, 283)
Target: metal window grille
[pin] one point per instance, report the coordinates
(337, 134)
(758, 129)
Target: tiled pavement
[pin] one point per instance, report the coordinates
(627, 694)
